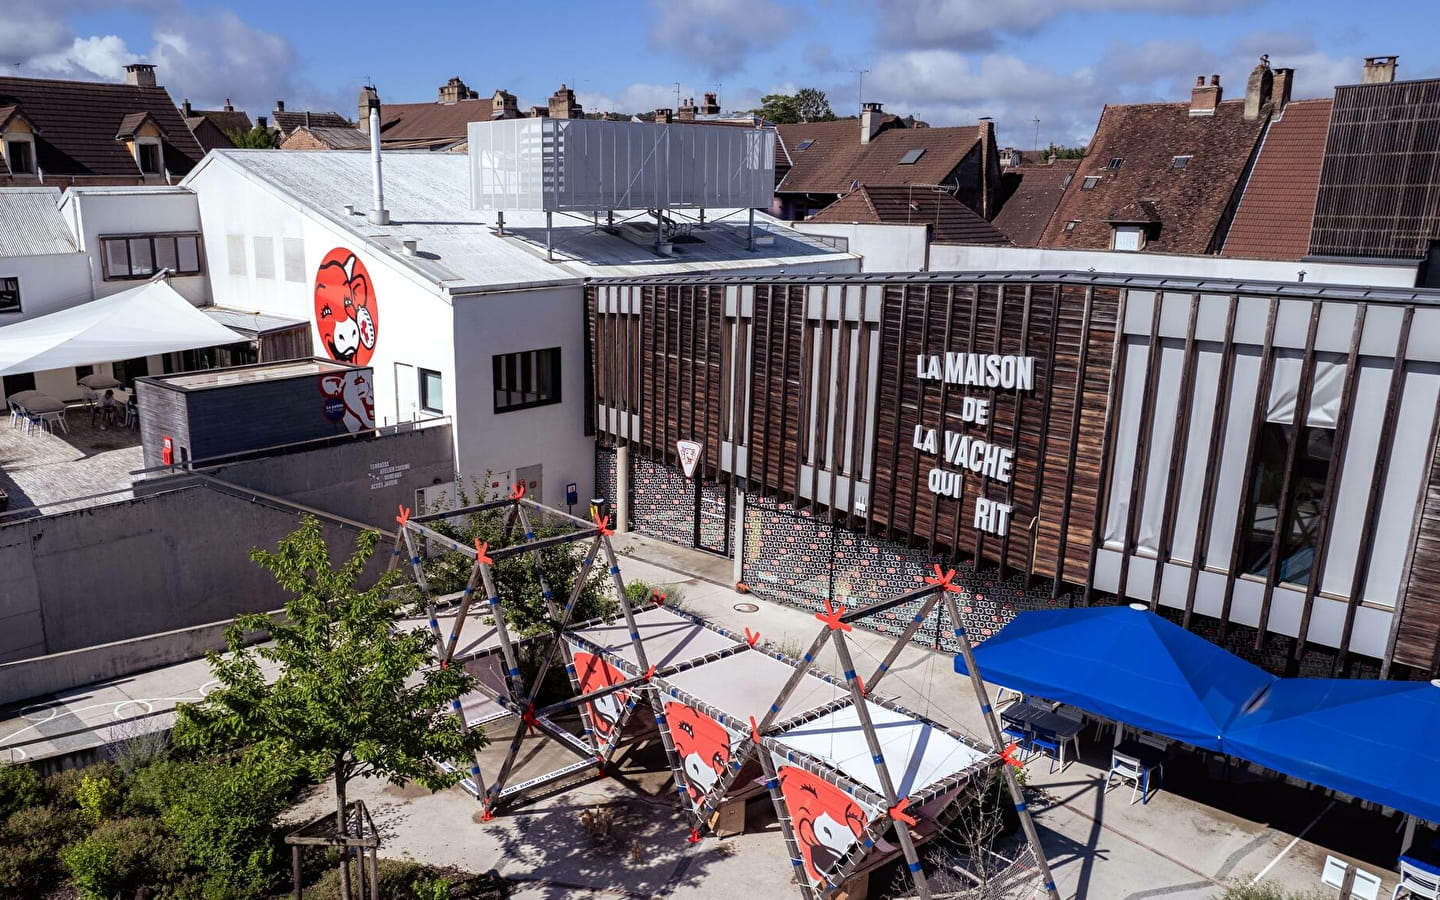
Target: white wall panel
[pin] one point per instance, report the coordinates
(1197, 454)
(1234, 451)
(1400, 499)
(1127, 436)
(1361, 455)
(1161, 438)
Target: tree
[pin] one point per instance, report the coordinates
(1067, 152)
(813, 106)
(256, 138)
(342, 700)
(805, 105)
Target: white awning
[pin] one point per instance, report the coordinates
(142, 321)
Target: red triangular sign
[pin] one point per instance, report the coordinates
(689, 456)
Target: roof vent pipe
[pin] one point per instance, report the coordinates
(410, 247)
(379, 215)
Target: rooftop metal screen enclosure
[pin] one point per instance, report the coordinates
(583, 165)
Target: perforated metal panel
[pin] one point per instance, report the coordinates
(581, 165)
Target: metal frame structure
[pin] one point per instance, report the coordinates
(635, 676)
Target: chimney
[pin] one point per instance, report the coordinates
(185, 107)
(1280, 93)
(260, 122)
(228, 107)
(711, 106)
(279, 106)
(687, 110)
(664, 116)
(1378, 69)
(563, 106)
(504, 105)
(1257, 89)
(1205, 98)
(378, 215)
(870, 119)
(455, 90)
(368, 97)
(140, 74)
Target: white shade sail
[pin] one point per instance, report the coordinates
(145, 320)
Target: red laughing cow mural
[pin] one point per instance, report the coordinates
(703, 746)
(345, 310)
(594, 673)
(827, 821)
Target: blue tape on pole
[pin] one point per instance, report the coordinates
(985, 709)
(514, 673)
(919, 618)
(774, 708)
(879, 759)
(660, 719)
(455, 704)
(849, 674)
(735, 764)
(494, 601)
(772, 784)
(809, 658)
(414, 560)
(884, 667)
(589, 561)
(1050, 886)
(959, 632)
(434, 623)
(1021, 807)
(634, 635)
(868, 844)
(468, 590)
(915, 866)
(549, 595)
(614, 570)
(570, 668)
(529, 535)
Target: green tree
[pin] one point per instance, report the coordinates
(813, 106)
(343, 698)
(779, 109)
(256, 138)
(1067, 152)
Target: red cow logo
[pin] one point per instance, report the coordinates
(349, 399)
(827, 821)
(345, 309)
(594, 673)
(703, 745)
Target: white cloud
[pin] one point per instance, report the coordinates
(977, 24)
(718, 35)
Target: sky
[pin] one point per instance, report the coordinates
(948, 62)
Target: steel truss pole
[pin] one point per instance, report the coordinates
(1017, 794)
(424, 586)
(901, 642)
(782, 812)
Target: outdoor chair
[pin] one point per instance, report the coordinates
(1417, 879)
(1135, 771)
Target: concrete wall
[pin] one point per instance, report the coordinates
(884, 248)
(94, 213)
(964, 258)
(171, 560)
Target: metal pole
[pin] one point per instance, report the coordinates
(993, 726)
(782, 813)
(900, 643)
(887, 784)
(750, 232)
(424, 586)
(549, 248)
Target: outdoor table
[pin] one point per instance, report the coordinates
(43, 406)
(1034, 717)
(1141, 756)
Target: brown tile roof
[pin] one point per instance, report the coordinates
(207, 133)
(289, 120)
(77, 122)
(227, 120)
(1379, 192)
(322, 137)
(1189, 202)
(1030, 195)
(1278, 206)
(418, 124)
(950, 221)
(837, 159)
(133, 122)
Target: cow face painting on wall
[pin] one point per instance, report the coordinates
(827, 821)
(594, 673)
(345, 310)
(703, 746)
(349, 399)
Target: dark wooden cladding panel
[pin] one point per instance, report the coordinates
(1415, 642)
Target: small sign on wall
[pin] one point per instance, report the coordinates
(689, 455)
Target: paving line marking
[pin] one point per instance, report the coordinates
(1293, 841)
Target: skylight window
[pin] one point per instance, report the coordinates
(1116, 162)
(1070, 225)
(805, 144)
(911, 157)
(1180, 162)
(1089, 183)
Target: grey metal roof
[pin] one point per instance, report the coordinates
(428, 195)
(31, 223)
(253, 322)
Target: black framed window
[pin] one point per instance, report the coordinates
(432, 394)
(21, 157)
(1304, 508)
(127, 257)
(9, 295)
(149, 158)
(524, 380)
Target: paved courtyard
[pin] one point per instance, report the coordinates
(43, 471)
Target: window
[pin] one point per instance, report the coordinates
(294, 250)
(523, 380)
(1180, 162)
(264, 257)
(1115, 162)
(805, 144)
(148, 155)
(1069, 177)
(1298, 522)
(432, 398)
(1089, 183)
(141, 256)
(9, 295)
(1127, 237)
(911, 157)
(84, 372)
(1070, 225)
(21, 157)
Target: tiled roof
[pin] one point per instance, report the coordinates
(77, 122)
(207, 133)
(1278, 206)
(290, 120)
(950, 221)
(1189, 201)
(346, 138)
(1031, 194)
(1379, 190)
(227, 120)
(31, 223)
(133, 122)
(836, 158)
(421, 123)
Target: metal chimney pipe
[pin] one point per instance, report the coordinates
(379, 215)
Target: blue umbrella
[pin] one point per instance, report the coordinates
(1379, 740)
(1126, 664)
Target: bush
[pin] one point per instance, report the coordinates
(97, 797)
(1242, 889)
(20, 787)
(30, 840)
(400, 879)
(64, 786)
(122, 856)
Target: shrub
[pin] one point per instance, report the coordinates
(97, 797)
(400, 879)
(64, 785)
(20, 787)
(121, 856)
(1242, 889)
(30, 840)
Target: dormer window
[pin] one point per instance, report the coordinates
(1116, 162)
(147, 154)
(144, 139)
(20, 155)
(1128, 237)
(17, 142)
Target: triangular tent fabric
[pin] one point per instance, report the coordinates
(145, 320)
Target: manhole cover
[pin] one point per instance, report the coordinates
(746, 607)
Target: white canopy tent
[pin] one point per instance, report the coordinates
(149, 319)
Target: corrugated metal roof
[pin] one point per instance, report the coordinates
(428, 195)
(31, 223)
(253, 322)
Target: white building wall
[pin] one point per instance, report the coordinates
(883, 248)
(93, 213)
(47, 284)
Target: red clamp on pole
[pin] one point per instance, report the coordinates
(944, 580)
(694, 837)
(751, 637)
(482, 554)
(404, 516)
(831, 617)
(517, 491)
(754, 730)
(860, 682)
(650, 673)
(1008, 754)
(528, 717)
(602, 524)
(486, 814)
(657, 597)
(898, 813)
